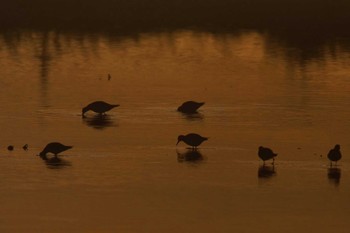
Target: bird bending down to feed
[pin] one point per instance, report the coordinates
(191, 139)
(266, 154)
(334, 154)
(54, 148)
(190, 107)
(99, 107)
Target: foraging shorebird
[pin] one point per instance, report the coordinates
(191, 139)
(54, 148)
(334, 154)
(190, 107)
(266, 154)
(99, 107)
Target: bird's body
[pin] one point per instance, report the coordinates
(265, 153)
(190, 107)
(99, 107)
(334, 154)
(10, 148)
(191, 139)
(54, 148)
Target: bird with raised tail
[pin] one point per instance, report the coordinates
(191, 139)
(99, 107)
(265, 153)
(54, 148)
(190, 107)
(334, 154)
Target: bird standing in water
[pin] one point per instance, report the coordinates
(190, 107)
(54, 148)
(265, 153)
(334, 154)
(191, 139)
(99, 107)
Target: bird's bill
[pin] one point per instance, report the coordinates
(178, 142)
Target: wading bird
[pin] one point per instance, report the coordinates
(190, 107)
(54, 148)
(99, 107)
(266, 154)
(191, 139)
(334, 154)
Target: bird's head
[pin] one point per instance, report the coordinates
(180, 138)
(337, 147)
(84, 110)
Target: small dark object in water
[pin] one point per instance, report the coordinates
(10, 148)
(25, 147)
(109, 77)
(190, 107)
(334, 154)
(265, 153)
(191, 139)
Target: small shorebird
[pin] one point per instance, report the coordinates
(191, 139)
(266, 154)
(54, 148)
(334, 154)
(10, 148)
(99, 107)
(189, 107)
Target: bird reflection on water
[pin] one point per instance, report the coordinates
(334, 175)
(193, 116)
(55, 162)
(266, 171)
(99, 121)
(190, 155)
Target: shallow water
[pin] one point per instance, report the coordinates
(125, 172)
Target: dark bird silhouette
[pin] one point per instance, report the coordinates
(266, 154)
(99, 107)
(25, 147)
(190, 107)
(10, 148)
(54, 148)
(334, 154)
(191, 139)
(109, 77)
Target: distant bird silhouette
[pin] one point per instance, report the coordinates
(109, 77)
(266, 154)
(334, 154)
(190, 107)
(25, 147)
(99, 107)
(10, 148)
(191, 139)
(54, 148)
